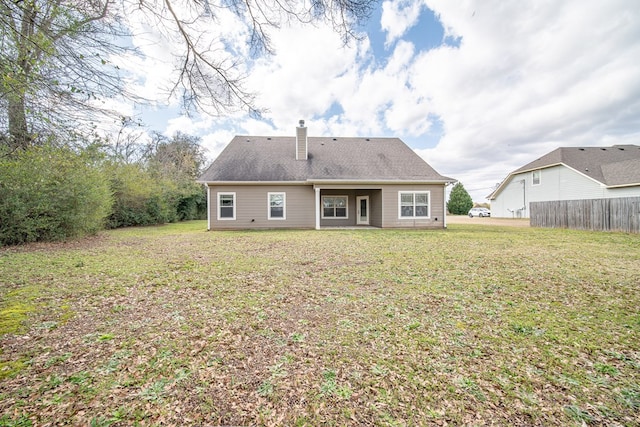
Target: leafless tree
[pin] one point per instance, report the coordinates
(55, 55)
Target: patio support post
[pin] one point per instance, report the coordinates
(444, 197)
(208, 207)
(317, 208)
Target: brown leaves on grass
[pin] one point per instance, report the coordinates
(338, 327)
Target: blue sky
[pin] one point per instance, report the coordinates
(477, 88)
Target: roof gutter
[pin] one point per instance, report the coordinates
(377, 181)
(623, 185)
(253, 182)
(329, 182)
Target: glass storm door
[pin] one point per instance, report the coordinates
(363, 210)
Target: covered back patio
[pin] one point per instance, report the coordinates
(346, 206)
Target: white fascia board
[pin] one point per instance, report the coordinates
(375, 182)
(220, 183)
(637, 184)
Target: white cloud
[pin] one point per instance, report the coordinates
(215, 142)
(304, 77)
(188, 125)
(527, 79)
(398, 16)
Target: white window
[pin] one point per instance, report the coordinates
(277, 205)
(535, 177)
(335, 207)
(226, 206)
(413, 204)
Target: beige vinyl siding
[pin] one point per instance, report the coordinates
(375, 208)
(390, 207)
(351, 209)
(252, 207)
(301, 143)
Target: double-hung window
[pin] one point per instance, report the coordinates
(226, 206)
(335, 207)
(535, 177)
(277, 205)
(413, 204)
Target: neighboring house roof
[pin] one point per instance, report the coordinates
(272, 159)
(616, 166)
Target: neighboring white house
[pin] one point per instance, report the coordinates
(569, 173)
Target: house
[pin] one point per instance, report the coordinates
(569, 173)
(316, 182)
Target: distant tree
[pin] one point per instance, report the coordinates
(156, 184)
(177, 162)
(459, 200)
(179, 158)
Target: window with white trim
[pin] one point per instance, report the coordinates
(226, 206)
(335, 207)
(535, 177)
(277, 205)
(413, 204)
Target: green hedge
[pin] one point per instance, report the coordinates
(142, 198)
(51, 193)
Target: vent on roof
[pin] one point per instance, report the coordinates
(581, 149)
(620, 148)
(367, 139)
(603, 149)
(268, 138)
(335, 139)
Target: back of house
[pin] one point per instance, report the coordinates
(318, 182)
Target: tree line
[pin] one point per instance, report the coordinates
(56, 192)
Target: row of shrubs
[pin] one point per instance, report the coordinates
(56, 193)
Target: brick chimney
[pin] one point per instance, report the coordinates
(301, 142)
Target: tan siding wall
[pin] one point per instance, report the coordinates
(252, 204)
(375, 208)
(390, 207)
(351, 209)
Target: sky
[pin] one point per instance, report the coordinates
(476, 88)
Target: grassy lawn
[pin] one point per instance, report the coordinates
(175, 325)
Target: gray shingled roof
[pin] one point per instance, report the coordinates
(254, 158)
(612, 166)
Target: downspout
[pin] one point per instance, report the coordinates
(524, 198)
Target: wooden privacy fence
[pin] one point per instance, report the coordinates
(621, 214)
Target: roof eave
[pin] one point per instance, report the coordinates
(333, 182)
(253, 182)
(320, 181)
(633, 184)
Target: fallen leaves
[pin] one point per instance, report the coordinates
(369, 327)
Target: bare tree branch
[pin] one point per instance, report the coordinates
(54, 56)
